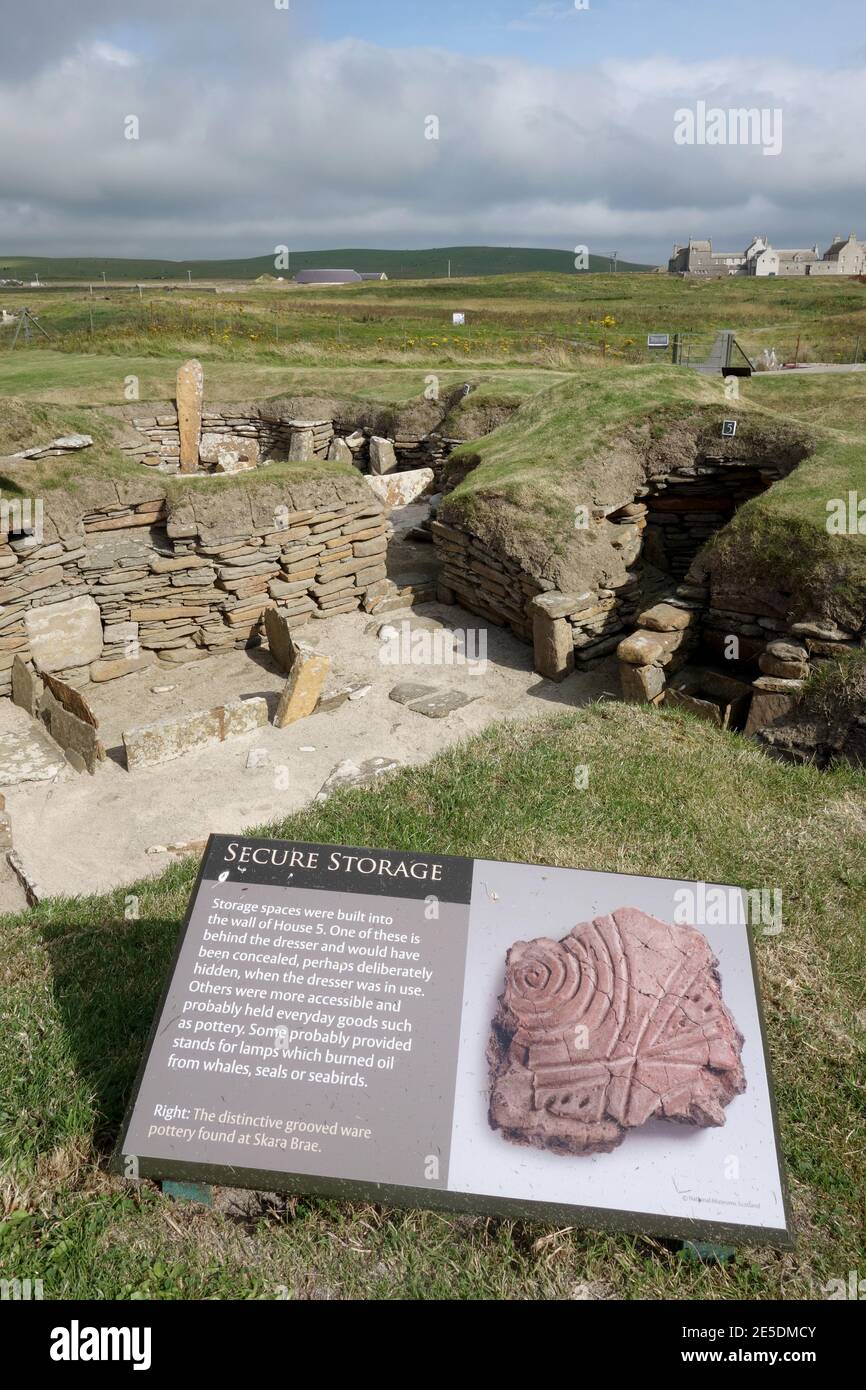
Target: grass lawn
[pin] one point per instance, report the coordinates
(667, 795)
(96, 379)
(535, 319)
(559, 451)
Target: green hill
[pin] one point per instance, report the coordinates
(398, 265)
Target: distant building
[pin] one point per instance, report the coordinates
(843, 257)
(327, 277)
(697, 259)
(337, 277)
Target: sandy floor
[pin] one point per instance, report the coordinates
(78, 834)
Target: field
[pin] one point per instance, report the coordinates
(667, 795)
(543, 320)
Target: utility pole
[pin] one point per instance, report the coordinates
(449, 269)
(104, 281)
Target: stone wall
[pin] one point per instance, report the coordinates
(153, 437)
(159, 442)
(690, 503)
(723, 650)
(485, 583)
(126, 575)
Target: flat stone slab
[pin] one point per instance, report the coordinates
(351, 774)
(429, 700)
(63, 635)
(399, 489)
(27, 754)
(641, 649)
(307, 677)
(556, 605)
(153, 744)
(767, 708)
(620, 1022)
(114, 667)
(666, 617)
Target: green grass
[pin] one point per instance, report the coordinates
(837, 400)
(667, 795)
(537, 319)
(836, 691)
(559, 451)
(96, 379)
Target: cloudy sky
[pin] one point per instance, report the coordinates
(304, 122)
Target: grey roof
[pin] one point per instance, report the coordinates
(326, 277)
(373, 275)
(832, 252)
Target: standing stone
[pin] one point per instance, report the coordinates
(26, 686)
(304, 686)
(766, 708)
(190, 396)
(279, 636)
(641, 683)
(553, 646)
(382, 456)
(78, 738)
(301, 446)
(339, 451)
(64, 635)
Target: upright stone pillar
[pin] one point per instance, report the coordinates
(552, 637)
(190, 397)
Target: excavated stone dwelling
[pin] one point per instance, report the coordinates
(639, 578)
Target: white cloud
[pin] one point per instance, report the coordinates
(109, 53)
(323, 144)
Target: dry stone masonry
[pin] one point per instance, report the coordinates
(684, 632)
(130, 575)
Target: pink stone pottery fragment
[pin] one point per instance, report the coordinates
(620, 1021)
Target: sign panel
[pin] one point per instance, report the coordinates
(658, 340)
(729, 429)
(458, 319)
(465, 1034)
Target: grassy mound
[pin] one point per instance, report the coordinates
(80, 984)
(591, 441)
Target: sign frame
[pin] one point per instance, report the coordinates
(584, 1216)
